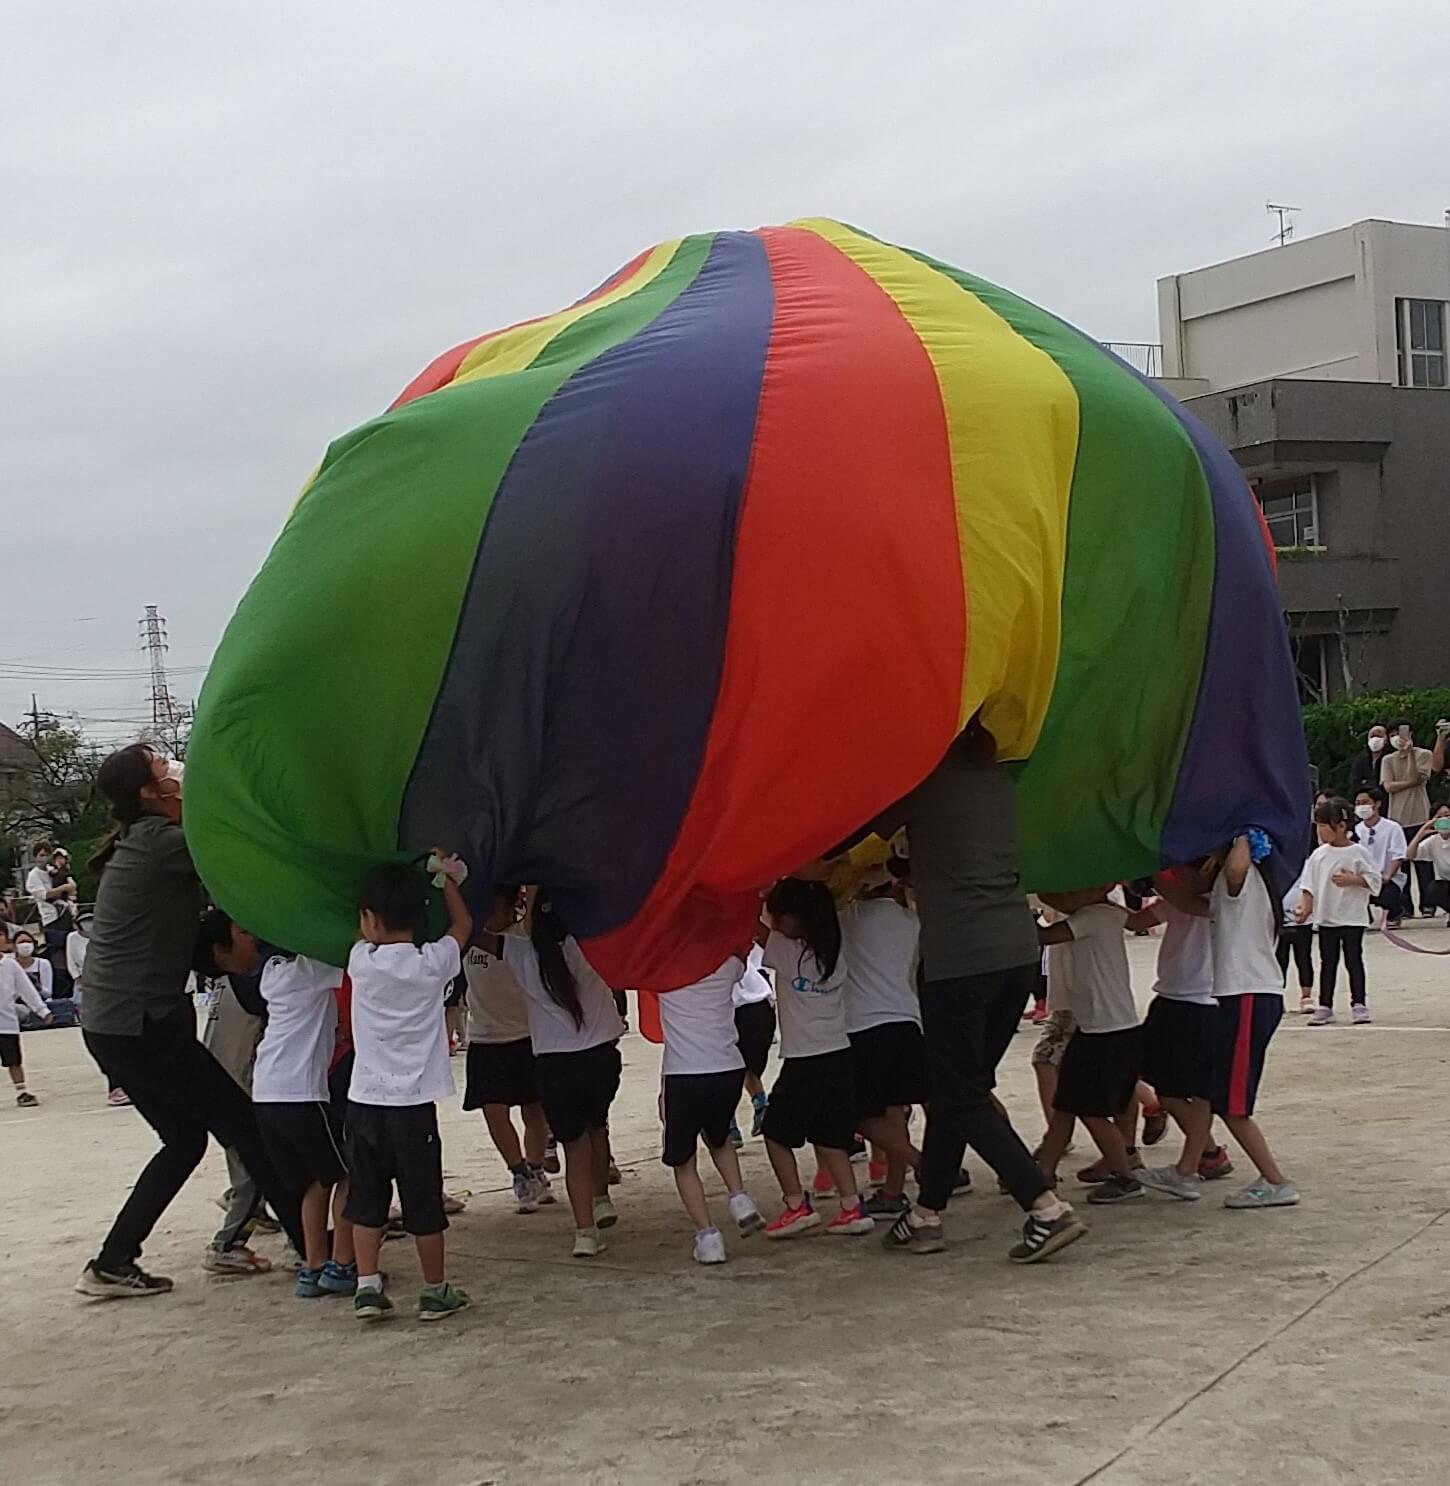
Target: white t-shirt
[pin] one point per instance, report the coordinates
(1338, 907)
(811, 1006)
(397, 1021)
(37, 885)
(1059, 977)
(498, 1010)
(1101, 998)
(15, 987)
(550, 1026)
(878, 944)
(699, 1024)
(39, 972)
(1185, 957)
(1385, 842)
(1435, 849)
(76, 945)
(754, 983)
(296, 1048)
(1243, 933)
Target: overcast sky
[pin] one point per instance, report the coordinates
(230, 233)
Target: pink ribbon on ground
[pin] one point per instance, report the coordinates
(1400, 942)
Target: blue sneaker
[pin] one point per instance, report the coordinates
(337, 1279)
(757, 1122)
(735, 1137)
(309, 1283)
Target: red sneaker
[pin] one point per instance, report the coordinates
(794, 1221)
(853, 1219)
(876, 1173)
(1214, 1164)
(1038, 1012)
(822, 1184)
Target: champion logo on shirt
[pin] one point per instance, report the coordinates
(811, 987)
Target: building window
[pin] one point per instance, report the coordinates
(1290, 511)
(1420, 342)
(1311, 667)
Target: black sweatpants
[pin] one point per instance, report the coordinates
(1297, 939)
(967, 1024)
(183, 1093)
(1331, 943)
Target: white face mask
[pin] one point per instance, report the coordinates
(1376, 742)
(1364, 811)
(24, 951)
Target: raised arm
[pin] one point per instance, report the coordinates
(460, 920)
(1237, 866)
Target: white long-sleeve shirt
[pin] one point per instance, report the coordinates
(76, 945)
(15, 987)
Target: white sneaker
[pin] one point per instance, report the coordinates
(544, 1187)
(1321, 1016)
(1172, 1181)
(1263, 1193)
(238, 1259)
(588, 1244)
(604, 1213)
(710, 1246)
(746, 1214)
(1360, 1016)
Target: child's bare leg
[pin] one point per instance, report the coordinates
(343, 1248)
(727, 1163)
(579, 1180)
(888, 1132)
(367, 1243)
(692, 1194)
(1245, 1130)
(787, 1172)
(1046, 1076)
(17, 1076)
(536, 1133)
(430, 1257)
(602, 1157)
(1108, 1137)
(314, 1226)
(753, 1085)
(1055, 1142)
(1195, 1118)
(500, 1124)
(838, 1164)
(1127, 1122)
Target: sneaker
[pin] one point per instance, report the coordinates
(1394, 923)
(371, 1305)
(757, 1120)
(1043, 1237)
(853, 1219)
(604, 1213)
(309, 1283)
(238, 1259)
(337, 1279)
(1172, 1181)
(1039, 1012)
(614, 1176)
(451, 1205)
(1116, 1189)
(1321, 1016)
(875, 1173)
(118, 1099)
(27, 1100)
(526, 1192)
(747, 1216)
(1306, 1005)
(962, 1182)
(794, 1221)
(543, 1186)
(438, 1302)
(885, 1209)
(1155, 1126)
(588, 1244)
(551, 1157)
(125, 1282)
(736, 1139)
(823, 1184)
(1215, 1164)
(912, 1235)
(1360, 1016)
(709, 1247)
(1263, 1193)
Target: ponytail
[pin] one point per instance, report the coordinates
(121, 778)
(547, 934)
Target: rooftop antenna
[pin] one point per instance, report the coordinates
(1286, 227)
(153, 640)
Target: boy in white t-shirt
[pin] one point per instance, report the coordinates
(1098, 1075)
(400, 1071)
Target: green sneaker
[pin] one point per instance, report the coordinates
(438, 1302)
(371, 1305)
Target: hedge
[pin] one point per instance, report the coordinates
(1336, 731)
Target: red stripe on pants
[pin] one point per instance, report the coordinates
(1238, 1077)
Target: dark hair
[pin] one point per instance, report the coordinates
(398, 893)
(22, 932)
(1377, 793)
(1335, 812)
(813, 908)
(214, 932)
(121, 778)
(547, 934)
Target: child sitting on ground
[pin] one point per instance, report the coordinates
(400, 1070)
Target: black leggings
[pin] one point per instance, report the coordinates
(1298, 940)
(1333, 942)
(183, 1093)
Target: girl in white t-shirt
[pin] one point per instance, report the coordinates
(814, 1098)
(1338, 882)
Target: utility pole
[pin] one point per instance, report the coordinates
(34, 720)
(1286, 227)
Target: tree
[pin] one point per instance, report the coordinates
(48, 792)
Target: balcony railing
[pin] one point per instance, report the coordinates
(1143, 356)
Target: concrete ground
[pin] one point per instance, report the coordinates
(1179, 1343)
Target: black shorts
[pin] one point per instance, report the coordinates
(1098, 1072)
(576, 1089)
(755, 1030)
(814, 1102)
(395, 1143)
(9, 1049)
(699, 1104)
(500, 1073)
(890, 1068)
(1243, 1027)
(1178, 1047)
(305, 1142)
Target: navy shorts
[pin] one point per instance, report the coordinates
(501, 1073)
(1243, 1028)
(696, 1105)
(1178, 1042)
(395, 1143)
(890, 1068)
(814, 1102)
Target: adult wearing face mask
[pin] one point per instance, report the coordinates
(1432, 844)
(35, 967)
(140, 1025)
(1364, 770)
(1385, 841)
(1405, 775)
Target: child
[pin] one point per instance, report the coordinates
(754, 1002)
(1250, 996)
(301, 1126)
(702, 1074)
(400, 1069)
(15, 987)
(575, 1031)
(1339, 881)
(501, 1059)
(1098, 1074)
(77, 942)
(814, 1098)
(1432, 844)
(879, 935)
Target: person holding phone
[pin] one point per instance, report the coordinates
(1432, 844)
(1405, 774)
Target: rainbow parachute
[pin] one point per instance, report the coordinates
(654, 598)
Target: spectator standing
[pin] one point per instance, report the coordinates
(1405, 775)
(1364, 768)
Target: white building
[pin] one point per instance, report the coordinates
(1365, 303)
